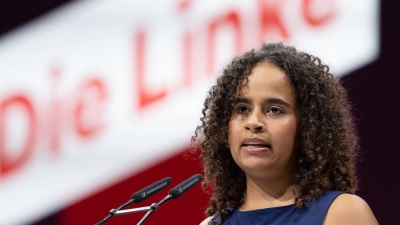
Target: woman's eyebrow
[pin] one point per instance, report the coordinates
(243, 100)
(267, 101)
(277, 101)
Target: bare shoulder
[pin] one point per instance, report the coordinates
(349, 209)
(205, 222)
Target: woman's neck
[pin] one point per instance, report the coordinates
(265, 194)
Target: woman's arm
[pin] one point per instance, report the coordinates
(348, 209)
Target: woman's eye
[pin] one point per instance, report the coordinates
(242, 109)
(275, 110)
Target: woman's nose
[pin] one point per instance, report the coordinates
(255, 122)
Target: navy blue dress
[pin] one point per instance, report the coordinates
(285, 215)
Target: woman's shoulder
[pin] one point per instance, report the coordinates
(349, 209)
(205, 222)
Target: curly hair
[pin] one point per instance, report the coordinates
(328, 143)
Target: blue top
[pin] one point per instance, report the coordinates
(285, 215)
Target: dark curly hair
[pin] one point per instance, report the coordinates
(328, 143)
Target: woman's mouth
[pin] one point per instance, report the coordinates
(255, 145)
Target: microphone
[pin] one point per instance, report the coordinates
(139, 196)
(150, 190)
(174, 193)
(181, 188)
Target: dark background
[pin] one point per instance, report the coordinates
(374, 91)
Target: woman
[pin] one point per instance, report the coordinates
(278, 143)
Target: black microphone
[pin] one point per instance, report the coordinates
(174, 193)
(181, 188)
(150, 190)
(140, 196)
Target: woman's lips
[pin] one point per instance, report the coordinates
(253, 145)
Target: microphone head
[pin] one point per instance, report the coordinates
(150, 190)
(184, 186)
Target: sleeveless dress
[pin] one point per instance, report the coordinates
(314, 214)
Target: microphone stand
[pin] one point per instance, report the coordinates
(113, 211)
(172, 194)
(149, 209)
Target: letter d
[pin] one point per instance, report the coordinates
(7, 163)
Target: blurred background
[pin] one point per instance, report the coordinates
(99, 99)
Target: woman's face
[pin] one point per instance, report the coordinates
(263, 127)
